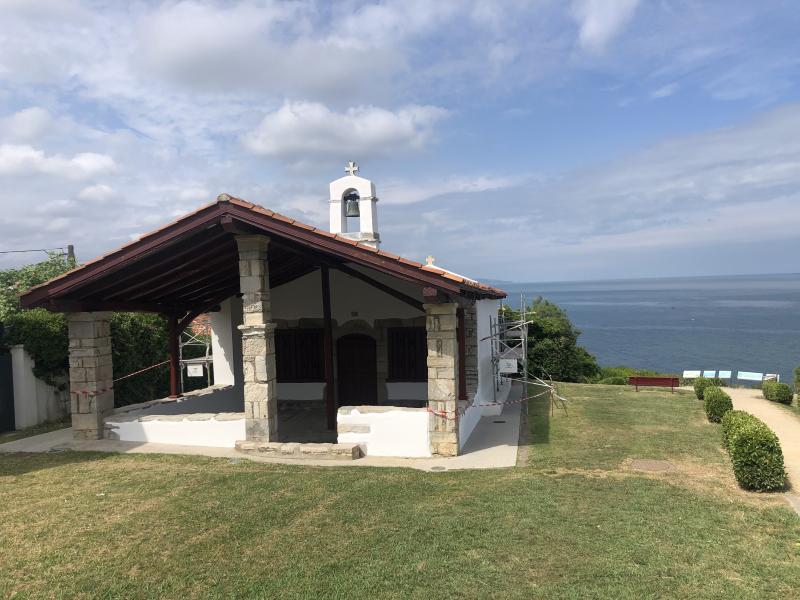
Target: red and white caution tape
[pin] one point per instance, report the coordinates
(451, 415)
(92, 393)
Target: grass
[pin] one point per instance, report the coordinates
(10, 436)
(576, 522)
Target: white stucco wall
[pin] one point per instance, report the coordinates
(393, 431)
(351, 298)
(485, 309)
(35, 401)
(185, 432)
(226, 342)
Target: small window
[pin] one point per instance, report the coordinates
(408, 354)
(299, 356)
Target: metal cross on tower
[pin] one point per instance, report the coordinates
(351, 168)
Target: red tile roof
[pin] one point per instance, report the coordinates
(240, 209)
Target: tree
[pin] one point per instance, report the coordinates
(15, 282)
(553, 349)
(138, 340)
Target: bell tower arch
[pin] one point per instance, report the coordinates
(354, 196)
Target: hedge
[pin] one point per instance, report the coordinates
(44, 335)
(701, 383)
(732, 421)
(777, 392)
(755, 452)
(717, 403)
(138, 341)
(614, 381)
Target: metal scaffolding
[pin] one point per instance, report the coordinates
(509, 344)
(200, 339)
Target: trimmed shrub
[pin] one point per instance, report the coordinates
(732, 421)
(614, 381)
(755, 452)
(701, 383)
(717, 403)
(777, 392)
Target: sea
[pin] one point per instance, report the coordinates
(731, 323)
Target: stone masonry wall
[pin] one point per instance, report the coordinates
(91, 373)
(471, 359)
(258, 341)
(441, 324)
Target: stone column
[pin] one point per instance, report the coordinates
(258, 341)
(91, 373)
(441, 325)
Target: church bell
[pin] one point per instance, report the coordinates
(351, 207)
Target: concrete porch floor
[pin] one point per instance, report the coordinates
(493, 444)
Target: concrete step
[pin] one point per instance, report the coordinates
(348, 451)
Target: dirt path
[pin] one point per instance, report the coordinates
(781, 420)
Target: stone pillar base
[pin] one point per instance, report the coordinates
(91, 373)
(258, 341)
(441, 324)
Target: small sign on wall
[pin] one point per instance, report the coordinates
(194, 370)
(507, 365)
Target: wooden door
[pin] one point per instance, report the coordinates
(357, 369)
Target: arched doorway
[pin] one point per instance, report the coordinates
(357, 370)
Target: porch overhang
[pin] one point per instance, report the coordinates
(191, 265)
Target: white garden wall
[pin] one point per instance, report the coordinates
(198, 429)
(35, 401)
(385, 430)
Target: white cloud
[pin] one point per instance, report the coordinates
(194, 194)
(600, 21)
(190, 100)
(408, 192)
(265, 47)
(97, 193)
(302, 130)
(26, 125)
(665, 91)
(24, 159)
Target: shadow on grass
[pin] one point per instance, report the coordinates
(13, 464)
(539, 420)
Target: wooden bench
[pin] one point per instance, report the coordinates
(647, 381)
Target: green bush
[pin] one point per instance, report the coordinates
(139, 340)
(701, 383)
(777, 392)
(553, 350)
(797, 377)
(614, 381)
(731, 422)
(44, 335)
(755, 452)
(717, 403)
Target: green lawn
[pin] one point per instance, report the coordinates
(576, 522)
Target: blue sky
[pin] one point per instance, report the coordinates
(521, 140)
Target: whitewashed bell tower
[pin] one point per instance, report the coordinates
(353, 196)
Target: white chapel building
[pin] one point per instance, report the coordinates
(324, 343)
